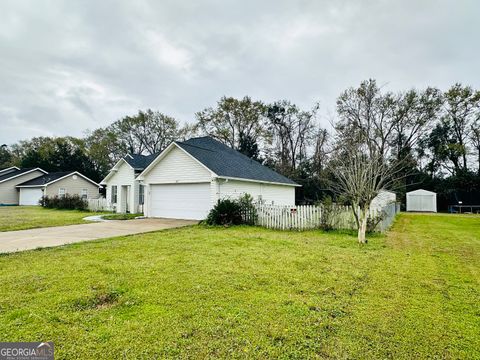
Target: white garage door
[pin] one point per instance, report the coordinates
(180, 201)
(30, 196)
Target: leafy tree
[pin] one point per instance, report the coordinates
(234, 121)
(5, 157)
(462, 108)
(103, 149)
(147, 132)
(249, 147)
(56, 154)
(475, 138)
(414, 113)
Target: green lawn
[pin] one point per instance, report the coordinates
(121, 216)
(245, 292)
(29, 217)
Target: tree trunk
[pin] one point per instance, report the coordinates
(362, 228)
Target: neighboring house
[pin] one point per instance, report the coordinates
(8, 170)
(57, 184)
(124, 192)
(187, 179)
(383, 199)
(9, 179)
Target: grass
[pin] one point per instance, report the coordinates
(243, 292)
(121, 216)
(29, 217)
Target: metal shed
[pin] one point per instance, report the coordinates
(422, 200)
(383, 199)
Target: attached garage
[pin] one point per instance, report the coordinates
(422, 200)
(180, 201)
(188, 178)
(30, 196)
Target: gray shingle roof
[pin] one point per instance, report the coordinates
(224, 161)
(8, 170)
(138, 161)
(11, 174)
(45, 179)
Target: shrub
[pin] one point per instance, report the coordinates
(373, 221)
(330, 212)
(247, 208)
(233, 212)
(68, 202)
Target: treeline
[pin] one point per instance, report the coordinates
(435, 133)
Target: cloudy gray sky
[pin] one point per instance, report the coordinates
(68, 66)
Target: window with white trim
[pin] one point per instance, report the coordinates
(84, 193)
(62, 192)
(114, 194)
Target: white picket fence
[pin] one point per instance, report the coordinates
(304, 217)
(100, 204)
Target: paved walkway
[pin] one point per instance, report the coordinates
(11, 241)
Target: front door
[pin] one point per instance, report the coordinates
(125, 198)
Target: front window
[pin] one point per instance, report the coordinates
(141, 194)
(84, 193)
(61, 192)
(114, 194)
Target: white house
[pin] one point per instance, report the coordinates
(422, 200)
(124, 192)
(383, 198)
(187, 178)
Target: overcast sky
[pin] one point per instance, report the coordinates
(67, 66)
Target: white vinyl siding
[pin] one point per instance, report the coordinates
(269, 193)
(124, 176)
(177, 167)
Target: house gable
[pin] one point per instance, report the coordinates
(175, 166)
(8, 190)
(73, 185)
(121, 174)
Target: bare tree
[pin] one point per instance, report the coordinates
(321, 150)
(359, 177)
(291, 130)
(364, 163)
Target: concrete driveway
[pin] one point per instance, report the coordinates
(12, 241)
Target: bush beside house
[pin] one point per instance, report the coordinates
(66, 202)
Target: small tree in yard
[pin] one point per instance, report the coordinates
(365, 161)
(360, 177)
